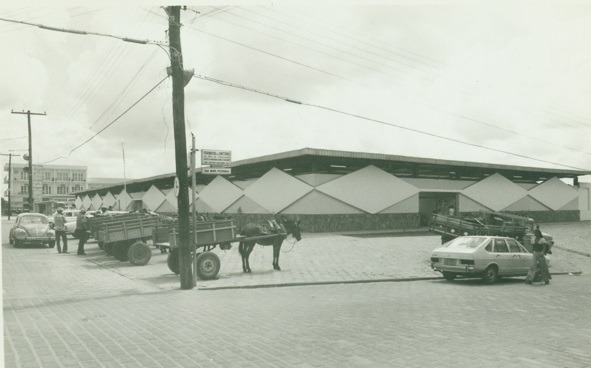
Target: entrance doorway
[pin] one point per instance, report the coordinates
(436, 202)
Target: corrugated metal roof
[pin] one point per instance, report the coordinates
(398, 158)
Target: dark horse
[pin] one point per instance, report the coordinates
(251, 230)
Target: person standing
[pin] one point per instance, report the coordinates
(81, 231)
(59, 221)
(539, 249)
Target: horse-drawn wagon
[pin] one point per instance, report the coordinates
(206, 236)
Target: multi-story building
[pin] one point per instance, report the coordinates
(52, 186)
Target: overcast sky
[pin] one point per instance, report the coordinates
(511, 80)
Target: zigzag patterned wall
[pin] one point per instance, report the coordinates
(367, 191)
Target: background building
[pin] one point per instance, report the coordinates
(352, 191)
(53, 186)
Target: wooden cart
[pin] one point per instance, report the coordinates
(204, 239)
(125, 236)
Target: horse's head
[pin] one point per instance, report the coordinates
(293, 228)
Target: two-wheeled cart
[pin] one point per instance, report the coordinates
(125, 237)
(206, 237)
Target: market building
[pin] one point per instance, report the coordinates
(351, 191)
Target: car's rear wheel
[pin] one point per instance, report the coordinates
(490, 275)
(449, 276)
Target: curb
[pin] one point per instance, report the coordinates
(573, 251)
(291, 284)
(312, 283)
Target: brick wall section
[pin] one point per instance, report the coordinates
(342, 223)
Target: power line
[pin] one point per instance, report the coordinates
(126, 39)
(228, 84)
(277, 56)
(108, 125)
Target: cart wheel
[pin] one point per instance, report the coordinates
(120, 251)
(173, 261)
(208, 265)
(108, 248)
(101, 245)
(139, 253)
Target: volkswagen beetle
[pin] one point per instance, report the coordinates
(31, 229)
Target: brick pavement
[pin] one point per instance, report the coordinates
(70, 311)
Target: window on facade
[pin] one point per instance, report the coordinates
(46, 175)
(78, 176)
(63, 176)
(62, 189)
(24, 189)
(24, 176)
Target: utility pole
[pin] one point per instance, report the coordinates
(9, 180)
(180, 142)
(30, 159)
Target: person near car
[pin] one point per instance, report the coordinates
(451, 211)
(538, 259)
(59, 221)
(81, 231)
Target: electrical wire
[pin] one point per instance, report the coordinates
(108, 125)
(278, 57)
(287, 99)
(126, 39)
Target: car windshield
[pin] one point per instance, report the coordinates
(465, 242)
(33, 220)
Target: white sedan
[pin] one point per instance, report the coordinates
(488, 257)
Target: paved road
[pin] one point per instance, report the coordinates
(71, 311)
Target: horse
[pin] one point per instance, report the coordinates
(287, 227)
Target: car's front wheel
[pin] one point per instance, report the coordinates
(449, 276)
(490, 275)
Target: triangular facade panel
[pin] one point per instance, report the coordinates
(470, 205)
(109, 200)
(78, 202)
(526, 203)
(243, 184)
(166, 207)
(495, 192)
(370, 189)
(201, 206)
(317, 203)
(315, 180)
(246, 205)
(171, 199)
(409, 205)
(124, 200)
(571, 206)
(220, 193)
(97, 201)
(276, 190)
(153, 198)
(554, 193)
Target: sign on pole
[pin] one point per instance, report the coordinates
(177, 186)
(215, 157)
(216, 170)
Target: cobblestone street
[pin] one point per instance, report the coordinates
(71, 311)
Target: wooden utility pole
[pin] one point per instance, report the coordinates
(29, 113)
(9, 180)
(180, 142)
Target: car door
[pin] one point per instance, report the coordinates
(520, 260)
(502, 257)
(517, 260)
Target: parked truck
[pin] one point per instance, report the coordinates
(487, 223)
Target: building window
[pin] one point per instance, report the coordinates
(62, 176)
(78, 176)
(24, 189)
(24, 176)
(46, 175)
(62, 189)
(46, 189)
